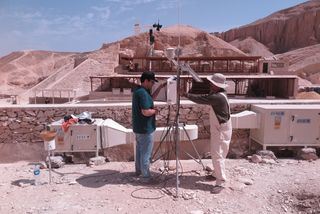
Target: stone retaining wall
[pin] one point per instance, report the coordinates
(23, 124)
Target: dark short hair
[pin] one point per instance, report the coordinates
(148, 75)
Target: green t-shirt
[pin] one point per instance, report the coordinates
(141, 99)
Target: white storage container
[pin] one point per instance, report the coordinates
(287, 125)
(78, 138)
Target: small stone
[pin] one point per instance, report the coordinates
(96, 161)
(72, 183)
(267, 154)
(246, 181)
(307, 154)
(237, 186)
(256, 158)
(23, 185)
(188, 195)
(268, 161)
(56, 162)
(284, 208)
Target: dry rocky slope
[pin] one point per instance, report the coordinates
(293, 34)
(252, 47)
(288, 29)
(194, 42)
(23, 69)
(304, 62)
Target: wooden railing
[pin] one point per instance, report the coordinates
(208, 65)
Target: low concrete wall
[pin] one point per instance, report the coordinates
(20, 127)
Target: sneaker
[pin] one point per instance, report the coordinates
(210, 178)
(217, 189)
(134, 174)
(137, 174)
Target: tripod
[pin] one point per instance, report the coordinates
(166, 139)
(175, 129)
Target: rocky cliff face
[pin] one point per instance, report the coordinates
(288, 29)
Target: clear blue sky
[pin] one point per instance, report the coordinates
(84, 25)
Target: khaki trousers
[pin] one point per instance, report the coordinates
(219, 143)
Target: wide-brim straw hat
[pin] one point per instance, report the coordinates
(218, 80)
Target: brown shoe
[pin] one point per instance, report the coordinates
(210, 178)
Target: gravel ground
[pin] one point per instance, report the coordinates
(288, 186)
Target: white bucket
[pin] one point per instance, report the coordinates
(50, 145)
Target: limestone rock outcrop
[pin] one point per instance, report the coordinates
(288, 29)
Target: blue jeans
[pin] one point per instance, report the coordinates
(144, 146)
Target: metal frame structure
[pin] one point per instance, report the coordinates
(231, 65)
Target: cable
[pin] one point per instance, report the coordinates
(151, 188)
(145, 188)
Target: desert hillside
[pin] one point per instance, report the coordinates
(21, 70)
(251, 47)
(305, 62)
(285, 30)
(27, 71)
(194, 42)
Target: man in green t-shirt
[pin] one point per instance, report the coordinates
(144, 123)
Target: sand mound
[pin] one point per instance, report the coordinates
(251, 47)
(308, 95)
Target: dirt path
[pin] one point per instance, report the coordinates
(290, 186)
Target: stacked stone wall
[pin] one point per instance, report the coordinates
(23, 124)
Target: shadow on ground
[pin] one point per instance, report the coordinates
(113, 177)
